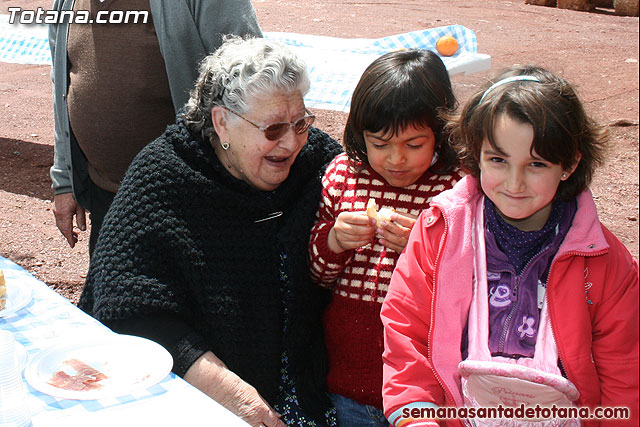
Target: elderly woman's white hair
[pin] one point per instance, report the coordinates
(239, 71)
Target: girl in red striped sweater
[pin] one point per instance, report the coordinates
(396, 154)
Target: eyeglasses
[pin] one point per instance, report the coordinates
(276, 130)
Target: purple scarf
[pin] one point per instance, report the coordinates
(521, 246)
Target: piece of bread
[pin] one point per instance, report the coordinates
(383, 214)
(3, 291)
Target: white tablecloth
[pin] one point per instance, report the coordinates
(49, 319)
(335, 64)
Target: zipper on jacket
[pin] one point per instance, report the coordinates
(446, 390)
(514, 294)
(507, 322)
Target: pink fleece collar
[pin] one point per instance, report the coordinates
(454, 270)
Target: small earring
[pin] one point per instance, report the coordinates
(564, 175)
(225, 145)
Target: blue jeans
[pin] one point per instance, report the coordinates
(353, 414)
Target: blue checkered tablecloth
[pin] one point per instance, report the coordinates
(49, 319)
(24, 44)
(335, 64)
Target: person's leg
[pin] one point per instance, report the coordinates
(100, 202)
(353, 414)
(378, 416)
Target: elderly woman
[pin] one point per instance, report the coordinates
(204, 248)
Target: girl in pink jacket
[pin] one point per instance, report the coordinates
(510, 294)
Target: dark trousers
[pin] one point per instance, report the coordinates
(100, 202)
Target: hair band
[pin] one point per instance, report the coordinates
(508, 80)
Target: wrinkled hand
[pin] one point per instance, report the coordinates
(210, 375)
(350, 231)
(65, 208)
(394, 234)
(247, 403)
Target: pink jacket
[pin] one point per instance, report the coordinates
(592, 294)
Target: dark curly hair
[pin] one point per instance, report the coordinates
(563, 132)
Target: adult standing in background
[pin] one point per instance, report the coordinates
(117, 86)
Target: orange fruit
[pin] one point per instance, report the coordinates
(447, 45)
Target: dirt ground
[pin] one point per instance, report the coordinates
(598, 52)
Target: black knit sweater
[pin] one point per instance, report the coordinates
(182, 260)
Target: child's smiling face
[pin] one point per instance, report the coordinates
(521, 184)
(401, 158)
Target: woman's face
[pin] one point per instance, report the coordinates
(251, 157)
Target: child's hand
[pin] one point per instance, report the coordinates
(351, 230)
(394, 234)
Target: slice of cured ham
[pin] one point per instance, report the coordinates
(87, 372)
(86, 377)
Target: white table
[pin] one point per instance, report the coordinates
(50, 318)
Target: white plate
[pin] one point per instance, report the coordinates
(19, 294)
(130, 363)
(22, 356)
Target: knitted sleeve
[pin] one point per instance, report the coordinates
(138, 267)
(184, 344)
(325, 264)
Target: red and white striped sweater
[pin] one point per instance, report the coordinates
(360, 278)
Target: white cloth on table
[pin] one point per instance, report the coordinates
(335, 64)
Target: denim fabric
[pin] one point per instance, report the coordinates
(353, 414)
